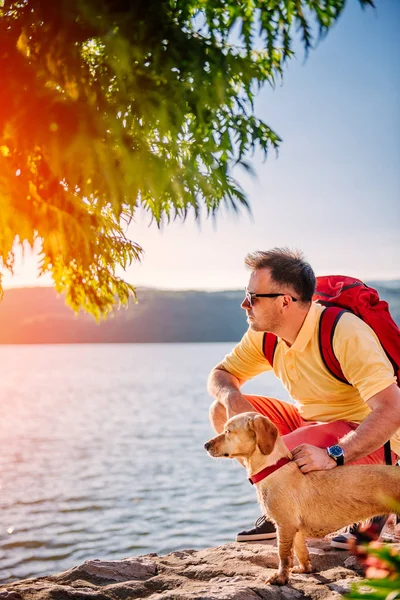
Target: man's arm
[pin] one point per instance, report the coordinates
(377, 428)
(225, 387)
(244, 362)
(371, 434)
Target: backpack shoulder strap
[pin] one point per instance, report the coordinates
(270, 342)
(327, 325)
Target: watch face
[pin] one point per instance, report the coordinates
(335, 451)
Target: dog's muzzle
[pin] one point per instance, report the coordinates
(211, 450)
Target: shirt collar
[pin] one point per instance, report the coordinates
(307, 329)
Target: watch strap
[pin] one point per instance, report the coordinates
(340, 460)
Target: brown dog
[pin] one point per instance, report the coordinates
(301, 505)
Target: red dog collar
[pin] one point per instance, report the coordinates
(268, 470)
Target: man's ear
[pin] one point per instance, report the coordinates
(266, 434)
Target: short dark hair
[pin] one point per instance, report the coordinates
(287, 267)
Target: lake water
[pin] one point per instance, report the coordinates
(101, 455)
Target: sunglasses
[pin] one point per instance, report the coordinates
(251, 295)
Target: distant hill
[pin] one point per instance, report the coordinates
(38, 316)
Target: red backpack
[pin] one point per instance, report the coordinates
(345, 294)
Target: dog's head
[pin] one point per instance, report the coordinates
(242, 435)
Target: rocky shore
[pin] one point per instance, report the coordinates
(230, 572)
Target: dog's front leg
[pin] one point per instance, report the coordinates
(303, 556)
(285, 550)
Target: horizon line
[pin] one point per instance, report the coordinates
(189, 289)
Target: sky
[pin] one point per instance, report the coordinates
(334, 189)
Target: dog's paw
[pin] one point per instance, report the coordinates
(306, 568)
(277, 579)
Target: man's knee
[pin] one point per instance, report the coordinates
(218, 416)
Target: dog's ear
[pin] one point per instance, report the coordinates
(266, 433)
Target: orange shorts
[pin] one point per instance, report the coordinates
(295, 430)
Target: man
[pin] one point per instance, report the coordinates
(359, 418)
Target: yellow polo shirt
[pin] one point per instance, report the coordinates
(317, 394)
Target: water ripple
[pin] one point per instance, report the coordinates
(119, 467)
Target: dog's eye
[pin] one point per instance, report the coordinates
(227, 430)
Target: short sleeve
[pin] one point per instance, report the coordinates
(361, 356)
(247, 359)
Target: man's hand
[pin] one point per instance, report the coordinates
(310, 458)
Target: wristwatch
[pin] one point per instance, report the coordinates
(337, 453)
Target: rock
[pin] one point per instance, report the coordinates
(234, 571)
(109, 571)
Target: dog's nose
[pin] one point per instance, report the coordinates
(207, 445)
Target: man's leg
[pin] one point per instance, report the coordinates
(218, 415)
(328, 434)
(284, 415)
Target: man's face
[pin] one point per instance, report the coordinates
(265, 314)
